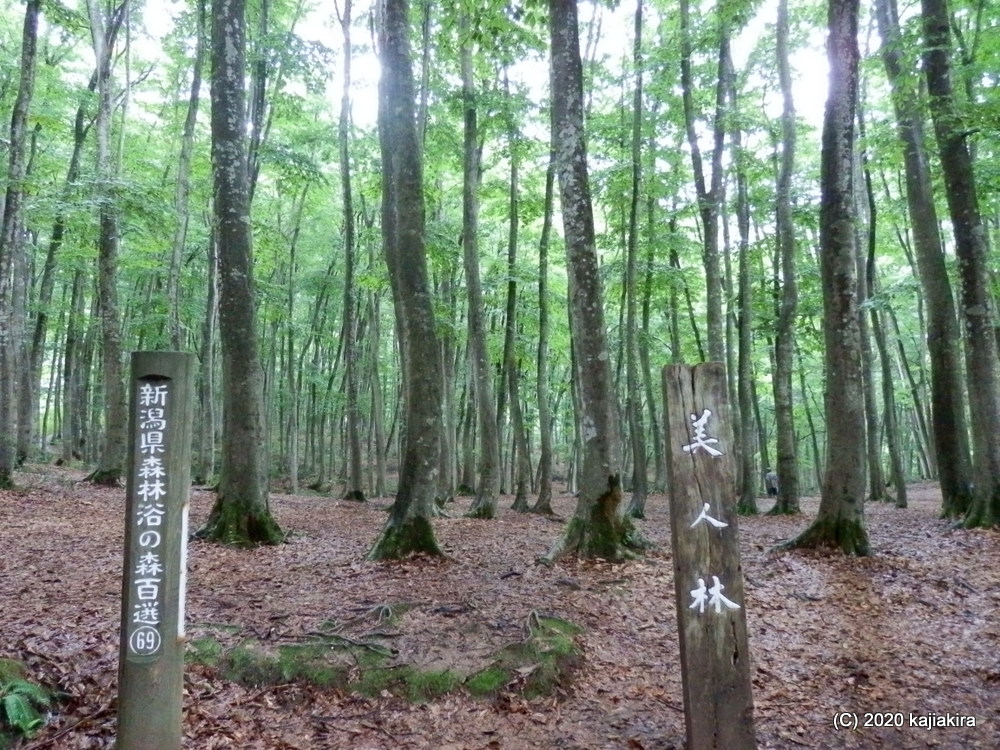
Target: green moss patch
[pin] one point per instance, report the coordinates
(540, 664)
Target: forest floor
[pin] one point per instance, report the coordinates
(911, 630)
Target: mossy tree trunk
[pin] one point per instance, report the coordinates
(598, 527)
(408, 529)
(840, 521)
(241, 516)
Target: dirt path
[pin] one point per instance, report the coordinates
(911, 631)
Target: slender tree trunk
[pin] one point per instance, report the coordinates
(876, 476)
(240, 516)
(488, 485)
(12, 249)
(747, 503)
(840, 521)
(710, 192)
(522, 461)
(897, 474)
(183, 183)
(205, 464)
(543, 504)
(633, 383)
(378, 401)
(112, 458)
(355, 477)
(645, 342)
(787, 465)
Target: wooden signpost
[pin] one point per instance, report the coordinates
(708, 577)
(151, 653)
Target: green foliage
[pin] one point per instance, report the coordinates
(21, 702)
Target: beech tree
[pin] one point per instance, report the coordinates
(12, 250)
(488, 481)
(951, 442)
(598, 527)
(971, 245)
(241, 515)
(112, 457)
(840, 521)
(330, 355)
(784, 347)
(408, 529)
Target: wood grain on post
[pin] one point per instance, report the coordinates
(151, 654)
(708, 576)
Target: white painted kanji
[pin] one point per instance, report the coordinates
(712, 597)
(147, 576)
(703, 516)
(701, 440)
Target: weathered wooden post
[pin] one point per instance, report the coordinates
(151, 654)
(708, 577)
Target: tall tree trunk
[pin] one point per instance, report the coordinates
(897, 474)
(13, 250)
(876, 476)
(840, 521)
(543, 504)
(598, 527)
(183, 183)
(408, 529)
(633, 383)
(240, 516)
(747, 503)
(355, 477)
(787, 464)
(512, 375)
(977, 304)
(951, 443)
(205, 462)
(72, 428)
(80, 129)
(378, 402)
(488, 484)
(709, 192)
(112, 458)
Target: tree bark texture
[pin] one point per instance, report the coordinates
(543, 503)
(951, 444)
(633, 383)
(112, 458)
(488, 482)
(977, 305)
(840, 521)
(12, 249)
(240, 516)
(408, 529)
(784, 350)
(598, 527)
(355, 476)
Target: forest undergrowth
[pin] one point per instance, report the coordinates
(910, 632)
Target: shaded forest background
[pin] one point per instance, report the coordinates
(706, 188)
